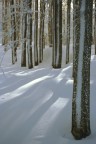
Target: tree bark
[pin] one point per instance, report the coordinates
(13, 33)
(57, 34)
(68, 31)
(36, 34)
(81, 87)
(41, 32)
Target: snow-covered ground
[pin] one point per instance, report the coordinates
(36, 104)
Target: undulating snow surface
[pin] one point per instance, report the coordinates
(35, 105)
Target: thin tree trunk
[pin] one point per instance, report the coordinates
(95, 28)
(29, 35)
(50, 25)
(5, 23)
(68, 31)
(41, 31)
(3, 15)
(23, 35)
(36, 34)
(13, 33)
(57, 30)
(76, 32)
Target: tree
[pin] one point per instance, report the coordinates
(81, 87)
(5, 23)
(23, 34)
(29, 34)
(68, 30)
(95, 27)
(50, 24)
(76, 33)
(13, 32)
(36, 34)
(41, 31)
(57, 34)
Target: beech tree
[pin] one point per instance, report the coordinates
(36, 61)
(57, 34)
(50, 17)
(81, 87)
(95, 27)
(29, 34)
(13, 32)
(76, 33)
(41, 30)
(23, 34)
(68, 31)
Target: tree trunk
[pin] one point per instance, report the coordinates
(41, 32)
(23, 35)
(29, 35)
(57, 30)
(95, 28)
(5, 21)
(68, 30)
(36, 34)
(13, 33)
(81, 87)
(76, 33)
(50, 25)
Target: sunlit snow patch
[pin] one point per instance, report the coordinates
(21, 90)
(49, 117)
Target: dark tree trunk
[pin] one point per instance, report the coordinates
(41, 32)
(95, 27)
(13, 33)
(23, 35)
(36, 34)
(57, 34)
(29, 34)
(68, 30)
(50, 25)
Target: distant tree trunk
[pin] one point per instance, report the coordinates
(50, 24)
(13, 33)
(81, 87)
(41, 32)
(68, 30)
(57, 30)
(5, 23)
(43, 38)
(36, 34)
(23, 34)
(29, 35)
(3, 15)
(64, 24)
(95, 28)
(17, 18)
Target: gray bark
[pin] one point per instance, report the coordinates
(81, 87)
(57, 34)
(68, 31)
(36, 34)
(13, 33)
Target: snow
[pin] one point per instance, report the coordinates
(35, 105)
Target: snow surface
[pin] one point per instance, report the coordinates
(35, 105)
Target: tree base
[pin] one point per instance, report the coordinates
(36, 63)
(80, 133)
(56, 67)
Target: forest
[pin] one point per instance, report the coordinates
(47, 71)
